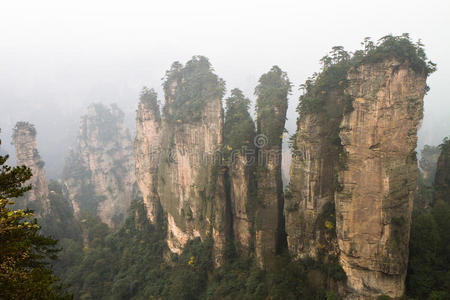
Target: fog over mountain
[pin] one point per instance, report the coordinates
(57, 57)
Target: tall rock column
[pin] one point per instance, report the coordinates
(271, 107)
(189, 175)
(374, 201)
(317, 149)
(309, 204)
(239, 134)
(442, 178)
(147, 149)
(99, 175)
(24, 140)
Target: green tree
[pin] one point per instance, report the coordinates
(24, 268)
(271, 105)
(189, 88)
(424, 244)
(429, 262)
(239, 129)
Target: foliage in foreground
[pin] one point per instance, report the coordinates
(25, 272)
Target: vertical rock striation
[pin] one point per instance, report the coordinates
(271, 108)
(99, 176)
(311, 188)
(239, 134)
(375, 198)
(309, 209)
(147, 149)
(24, 140)
(354, 172)
(190, 180)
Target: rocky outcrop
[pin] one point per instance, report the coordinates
(376, 188)
(442, 178)
(311, 189)
(147, 147)
(24, 140)
(240, 154)
(243, 199)
(99, 175)
(354, 170)
(428, 163)
(178, 170)
(186, 181)
(53, 210)
(271, 108)
(423, 197)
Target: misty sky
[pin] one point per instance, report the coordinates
(56, 57)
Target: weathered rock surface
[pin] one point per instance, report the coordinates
(187, 177)
(147, 147)
(24, 140)
(271, 108)
(99, 176)
(178, 162)
(375, 200)
(242, 199)
(312, 175)
(240, 156)
(442, 178)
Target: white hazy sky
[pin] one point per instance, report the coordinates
(58, 56)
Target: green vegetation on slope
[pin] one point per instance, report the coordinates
(25, 272)
(429, 248)
(271, 105)
(150, 99)
(239, 128)
(60, 222)
(188, 89)
(133, 263)
(331, 79)
(335, 66)
(397, 47)
(429, 259)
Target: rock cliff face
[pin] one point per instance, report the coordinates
(354, 169)
(24, 140)
(189, 181)
(312, 175)
(179, 171)
(374, 201)
(271, 108)
(353, 175)
(99, 176)
(442, 178)
(423, 197)
(205, 188)
(242, 198)
(239, 135)
(147, 148)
